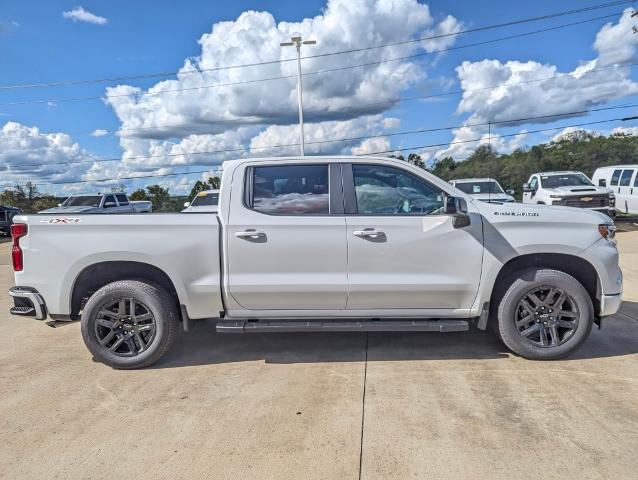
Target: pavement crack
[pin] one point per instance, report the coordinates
(363, 407)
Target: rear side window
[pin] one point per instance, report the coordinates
(122, 199)
(290, 190)
(109, 199)
(615, 177)
(625, 179)
(384, 190)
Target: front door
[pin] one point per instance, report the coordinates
(403, 252)
(286, 242)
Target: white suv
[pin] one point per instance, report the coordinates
(571, 189)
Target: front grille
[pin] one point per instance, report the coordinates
(586, 201)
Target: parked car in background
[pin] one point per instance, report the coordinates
(484, 189)
(330, 244)
(205, 201)
(6, 217)
(570, 189)
(142, 206)
(623, 182)
(100, 203)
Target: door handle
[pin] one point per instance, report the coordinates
(368, 233)
(250, 234)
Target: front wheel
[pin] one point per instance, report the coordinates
(129, 324)
(545, 314)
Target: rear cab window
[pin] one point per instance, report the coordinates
(289, 189)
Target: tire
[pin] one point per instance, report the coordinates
(146, 334)
(565, 325)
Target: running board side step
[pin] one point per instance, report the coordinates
(262, 326)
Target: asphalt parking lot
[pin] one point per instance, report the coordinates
(326, 406)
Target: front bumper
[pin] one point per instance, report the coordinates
(27, 302)
(610, 304)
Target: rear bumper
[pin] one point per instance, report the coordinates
(27, 302)
(610, 304)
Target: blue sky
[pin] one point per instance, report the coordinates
(39, 45)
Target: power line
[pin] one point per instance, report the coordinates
(348, 139)
(419, 147)
(317, 72)
(327, 113)
(353, 50)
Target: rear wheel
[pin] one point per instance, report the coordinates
(545, 314)
(129, 324)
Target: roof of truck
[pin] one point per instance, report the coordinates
(468, 180)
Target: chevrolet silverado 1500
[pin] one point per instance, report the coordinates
(322, 244)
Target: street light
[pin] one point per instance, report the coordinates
(298, 42)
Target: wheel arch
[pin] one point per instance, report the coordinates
(577, 267)
(95, 276)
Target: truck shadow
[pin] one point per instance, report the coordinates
(203, 346)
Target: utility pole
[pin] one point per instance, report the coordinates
(298, 42)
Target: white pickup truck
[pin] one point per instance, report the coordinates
(322, 244)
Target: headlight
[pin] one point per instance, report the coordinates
(607, 231)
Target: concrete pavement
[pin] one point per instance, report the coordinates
(333, 406)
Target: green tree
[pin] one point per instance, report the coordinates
(27, 197)
(415, 159)
(158, 196)
(139, 194)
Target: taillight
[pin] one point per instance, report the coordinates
(18, 230)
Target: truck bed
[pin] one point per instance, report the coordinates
(186, 247)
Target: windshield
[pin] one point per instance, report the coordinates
(565, 180)
(205, 199)
(473, 188)
(83, 201)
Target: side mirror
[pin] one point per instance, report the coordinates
(187, 204)
(456, 207)
(602, 182)
(510, 191)
(109, 205)
(527, 188)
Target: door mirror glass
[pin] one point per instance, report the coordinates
(527, 188)
(510, 191)
(456, 207)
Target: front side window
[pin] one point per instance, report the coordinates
(615, 177)
(533, 184)
(382, 190)
(625, 179)
(122, 199)
(291, 190)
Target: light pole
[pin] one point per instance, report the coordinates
(298, 42)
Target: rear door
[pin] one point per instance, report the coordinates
(286, 240)
(403, 252)
(632, 200)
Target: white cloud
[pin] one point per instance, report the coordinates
(78, 14)
(372, 145)
(161, 119)
(28, 154)
(518, 96)
(100, 132)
